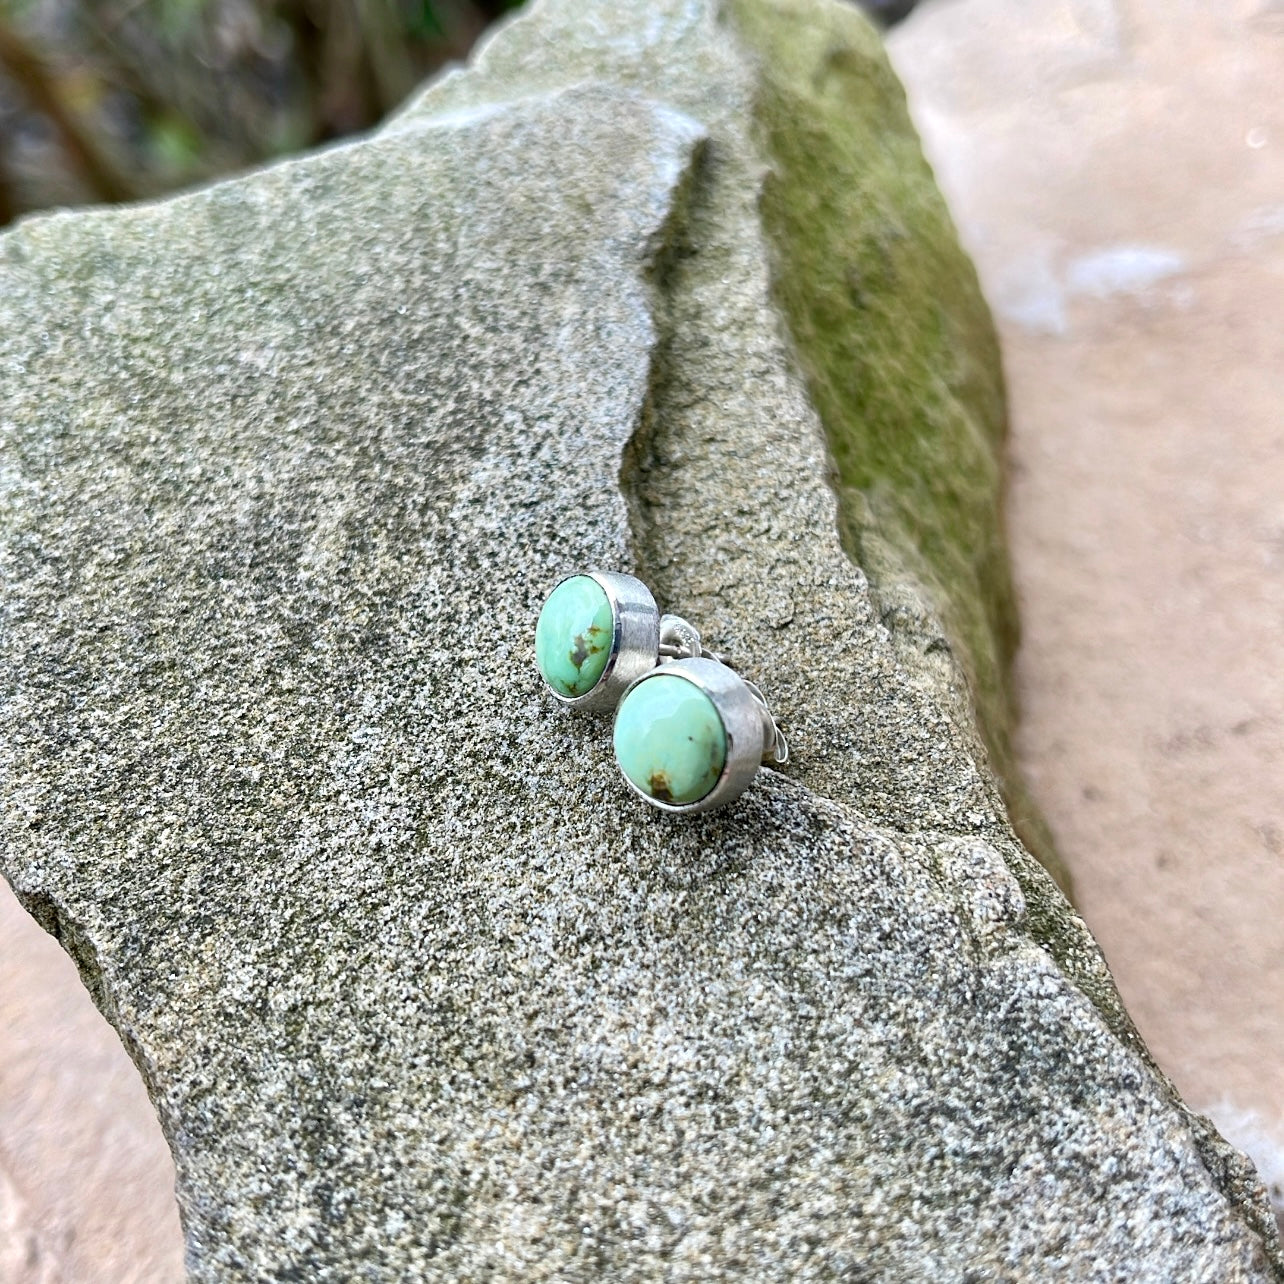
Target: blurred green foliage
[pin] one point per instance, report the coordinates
(117, 99)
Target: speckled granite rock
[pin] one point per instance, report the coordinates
(419, 989)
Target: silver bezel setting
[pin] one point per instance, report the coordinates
(749, 728)
(635, 641)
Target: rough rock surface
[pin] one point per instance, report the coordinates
(418, 990)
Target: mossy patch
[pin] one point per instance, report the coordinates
(895, 340)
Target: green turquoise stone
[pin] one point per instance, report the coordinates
(573, 636)
(669, 740)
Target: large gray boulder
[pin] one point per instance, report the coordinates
(420, 991)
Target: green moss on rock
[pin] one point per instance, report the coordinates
(899, 351)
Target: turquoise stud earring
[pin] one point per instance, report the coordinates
(691, 734)
(596, 633)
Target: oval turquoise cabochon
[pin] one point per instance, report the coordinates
(669, 739)
(573, 636)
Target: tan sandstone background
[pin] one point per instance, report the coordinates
(1117, 170)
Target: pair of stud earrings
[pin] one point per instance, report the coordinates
(690, 732)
